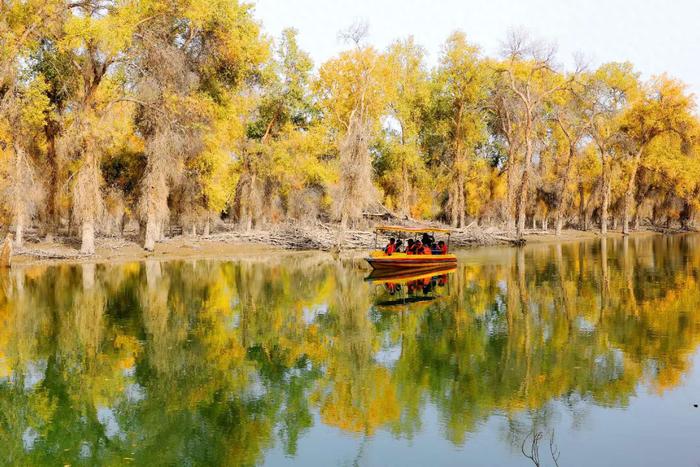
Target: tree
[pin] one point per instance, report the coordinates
(275, 172)
(530, 78)
(571, 123)
(460, 84)
(23, 103)
(56, 67)
(664, 107)
(607, 94)
(353, 95)
(401, 164)
(185, 58)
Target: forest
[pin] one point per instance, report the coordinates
(184, 116)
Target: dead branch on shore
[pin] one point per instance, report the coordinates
(51, 254)
(324, 237)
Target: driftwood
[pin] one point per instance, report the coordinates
(325, 237)
(51, 254)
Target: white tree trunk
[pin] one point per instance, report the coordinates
(149, 242)
(19, 234)
(87, 245)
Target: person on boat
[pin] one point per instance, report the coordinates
(427, 250)
(399, 246)
(391, 247)
(410, 248)
(427, 239)
(418, 248)
(442, 247)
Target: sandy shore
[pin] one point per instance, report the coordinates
(118, 250)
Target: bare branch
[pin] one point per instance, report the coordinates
(356, 33)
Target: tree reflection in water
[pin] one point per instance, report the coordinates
(210, 362)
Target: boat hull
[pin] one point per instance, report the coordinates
(413, 262)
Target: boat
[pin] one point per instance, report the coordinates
(379, 259)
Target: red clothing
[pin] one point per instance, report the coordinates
(443, 249)
(427, 250)
(390, 248)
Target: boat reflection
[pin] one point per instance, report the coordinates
(393, 289)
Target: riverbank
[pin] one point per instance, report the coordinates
(235, 244)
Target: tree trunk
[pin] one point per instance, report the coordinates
(563, 197)
(629, 195)
(405, 208)
(521, 205)
(52, 220)
(582, 207)
(194, 229)
(686, 215)
(462, 201)
(558, 225)
(510, 190)
(19, 234)
(87, 245)
(18, 197)
(149, 242)
(606, 200)
(207, 228)
(456, 201)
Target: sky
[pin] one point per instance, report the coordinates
(656, 36)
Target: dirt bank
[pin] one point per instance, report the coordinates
(285, 240)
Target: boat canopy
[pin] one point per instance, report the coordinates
(397, 228)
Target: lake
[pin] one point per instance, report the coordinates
(582, 353)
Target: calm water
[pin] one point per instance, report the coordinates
(299, 360)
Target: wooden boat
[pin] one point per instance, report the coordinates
(378, 259)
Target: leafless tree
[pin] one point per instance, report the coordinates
(528, 68)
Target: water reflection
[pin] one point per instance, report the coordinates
(395, 289)
(218, 362)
